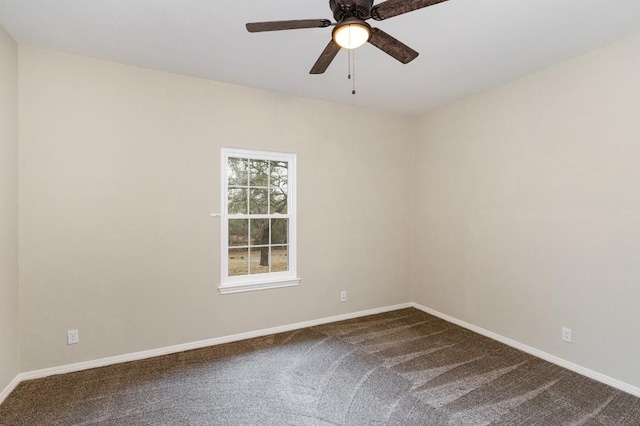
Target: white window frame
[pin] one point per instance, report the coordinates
(237, 284)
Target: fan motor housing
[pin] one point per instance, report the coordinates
(344, 9)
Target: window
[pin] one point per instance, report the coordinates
(258, 220)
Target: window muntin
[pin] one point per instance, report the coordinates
(258, 218)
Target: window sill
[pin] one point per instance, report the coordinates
(266, 285)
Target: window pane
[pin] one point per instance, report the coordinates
(279, 231)
(237, 201)
(237, 171)
(238, 262)
(259, 232)
(278, 201)
(280, 174)
(260, 260)
(258, 217)
(279, 259)
(258, 172)
(258, 201)
(238, 232)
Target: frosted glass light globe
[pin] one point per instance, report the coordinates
(352, 35)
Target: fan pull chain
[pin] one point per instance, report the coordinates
(353, 72)
(352, 69)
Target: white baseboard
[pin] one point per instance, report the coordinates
(633, 390)
(197, 345)
(10, 387)
(625, 387)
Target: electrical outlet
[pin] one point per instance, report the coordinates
(343, 296)
(566, 334)
(73, 337)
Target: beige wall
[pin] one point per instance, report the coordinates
(119, 172)
(9, 325)
(528, 210)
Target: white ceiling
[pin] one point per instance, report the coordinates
(466, 46)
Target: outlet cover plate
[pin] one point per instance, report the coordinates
(73, 337)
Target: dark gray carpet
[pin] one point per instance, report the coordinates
(399, 368)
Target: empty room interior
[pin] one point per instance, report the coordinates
(449, 230)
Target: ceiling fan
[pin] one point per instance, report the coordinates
(351, 31)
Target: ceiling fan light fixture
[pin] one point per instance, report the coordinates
(352, 33)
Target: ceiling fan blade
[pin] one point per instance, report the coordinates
(325, 58)
(391, 8)
(257, 27)
(392, 46)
